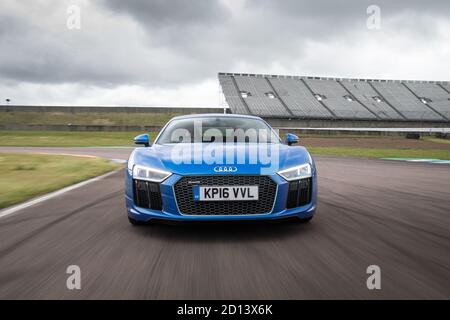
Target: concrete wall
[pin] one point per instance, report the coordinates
(282, 130)
(291, 125)
(337, 132)
(276, 122)
(313, 123)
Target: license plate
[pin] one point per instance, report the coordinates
(225, 193)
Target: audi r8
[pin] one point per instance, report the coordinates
(219, 167)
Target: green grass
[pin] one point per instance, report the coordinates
(67, 138)
(23, 176)
(381, 153)
(86, 118)
(437, 140)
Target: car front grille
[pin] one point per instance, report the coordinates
(299, 193)
(147, 194)
(186, 204)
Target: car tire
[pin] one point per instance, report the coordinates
(135, 222)
(305, 220)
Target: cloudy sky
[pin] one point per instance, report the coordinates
(168, 52)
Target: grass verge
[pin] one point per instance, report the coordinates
(23, 176)
(381, 153)
(437, 140)
(87, 118)
(67, 138)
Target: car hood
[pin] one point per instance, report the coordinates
(179, 158)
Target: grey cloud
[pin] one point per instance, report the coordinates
(183, 41)
(342, 9)
(164, 14)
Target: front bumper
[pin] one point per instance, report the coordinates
(170, 209)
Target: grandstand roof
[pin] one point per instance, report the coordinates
(307, 97)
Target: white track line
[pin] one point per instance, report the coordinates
(14, 209)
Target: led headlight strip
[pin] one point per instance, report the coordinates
(296, 173)
(150, 174)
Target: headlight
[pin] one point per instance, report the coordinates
(150, 174)
(295, 173)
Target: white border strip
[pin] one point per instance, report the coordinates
(32, 202)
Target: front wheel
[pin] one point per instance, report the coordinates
(135, 222)
(306, 220)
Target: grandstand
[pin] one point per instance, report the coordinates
(318, 98)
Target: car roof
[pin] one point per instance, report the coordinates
(226, 115)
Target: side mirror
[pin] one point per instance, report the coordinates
(291, 139)
(142, 139)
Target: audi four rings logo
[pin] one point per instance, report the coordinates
(225, 169)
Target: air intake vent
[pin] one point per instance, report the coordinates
(299, 193)
(377, 99)
(270, 95)
(425, 100)
(245, 94)
(319, 96)
(349, 98)
(147, 195)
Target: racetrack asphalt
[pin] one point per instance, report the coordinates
(371, 212)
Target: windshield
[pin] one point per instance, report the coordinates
(218, 129)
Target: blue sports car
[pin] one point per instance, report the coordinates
(219, 167)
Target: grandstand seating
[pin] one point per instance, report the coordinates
(296, 95)
(260, 99)
(362, 91)
(232, 95)
(405, 101)
(446, 87)
(338, 100)
(330, 98)
(439, 99)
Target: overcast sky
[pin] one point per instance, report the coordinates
(168, 52)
